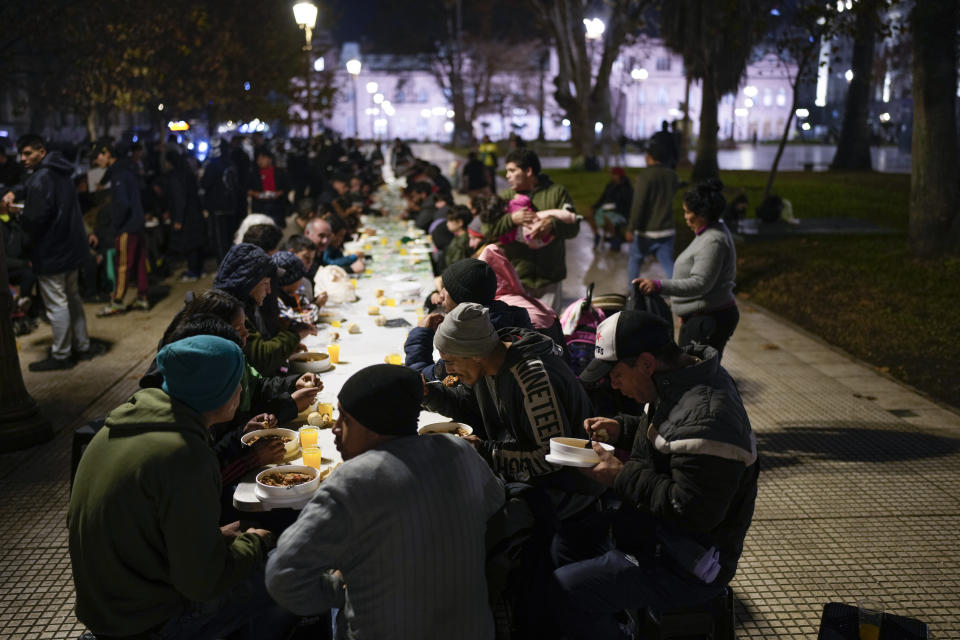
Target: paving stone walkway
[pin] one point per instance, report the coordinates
(859, 492)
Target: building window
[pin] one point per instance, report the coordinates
(399, 97)
(781, 97)
(422, 95)
(663, 64)
(662, 95)
(767, 97)
(642, 96)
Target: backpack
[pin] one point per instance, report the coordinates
(651, 303)
(580, 321)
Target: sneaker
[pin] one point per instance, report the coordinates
(51, 364)
(140, 304)
(189, 277)
(113, 310)
(95, 349)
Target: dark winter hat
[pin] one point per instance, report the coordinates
(384, 398)
(290, 268)
(625, 335)
(242, 268)
(475, 228)
(466, 331)
(470, 280)
(201, 371)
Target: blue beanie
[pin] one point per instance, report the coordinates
(201, 371)
(290, 268)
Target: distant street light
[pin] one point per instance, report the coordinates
(353, 68)
(639, 74)
(371, 87)
(848, 75)
(378, 98)
(750, 91)
(305, 13)
(802, 113)
(595, 28)
(318, 64)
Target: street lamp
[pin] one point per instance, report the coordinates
(305, 13)
(353, 68)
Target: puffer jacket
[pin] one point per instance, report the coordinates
(694, 463)
(125, 204)
(537, 398)
(419, 345)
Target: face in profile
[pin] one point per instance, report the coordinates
(469, 369)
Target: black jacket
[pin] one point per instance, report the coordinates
(52, 217)
(183, 198)
(222, 189)
(126, 207)
(694, 464)
(537, 398)
(274, 207)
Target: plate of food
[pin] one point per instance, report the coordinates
(287, 436)
(287, 481)
(453, 428)
(310, 362)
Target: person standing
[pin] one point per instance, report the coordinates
(269, 187)
(183, 199)
(701, 291)
(52, 218)
(222, 196)
(129, 228)
(650, 228)
(488, 155)
(541, 270)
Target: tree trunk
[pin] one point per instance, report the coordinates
(705, 166)
(780, 147)
(92, 123)
(934, 180)
(685, 129)
(853, 147)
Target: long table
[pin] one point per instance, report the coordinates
(395, 265)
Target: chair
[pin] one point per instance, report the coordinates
(713, 620)
(81, 438)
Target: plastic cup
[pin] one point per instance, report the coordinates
(383, 241)
(335, 323)
(870, 614)
(309, 436)
(394, 358)
(312, 457)
(325, 408)
(390, 302)
(353, 282)
(333, 350)
(367, 247)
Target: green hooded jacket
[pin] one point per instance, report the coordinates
(538, 267)
(143, 519)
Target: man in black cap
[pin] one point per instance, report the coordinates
(689, 487)
(467, 280)
(400, 523)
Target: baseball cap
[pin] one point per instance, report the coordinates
(625, 335)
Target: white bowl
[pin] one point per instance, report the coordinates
(303, 489)
(310, 362)
(290, 446)
(576, 448)
(444, 427)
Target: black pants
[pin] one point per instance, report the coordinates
(713, 328)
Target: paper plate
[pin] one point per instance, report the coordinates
(571, 462)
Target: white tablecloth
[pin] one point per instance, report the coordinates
(390, 272)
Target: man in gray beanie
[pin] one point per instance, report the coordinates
(525, 394)
(398, 501)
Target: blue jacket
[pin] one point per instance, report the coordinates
(334, 256)
(419, 345)
(52, 217)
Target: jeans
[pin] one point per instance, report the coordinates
(642, 246)
(246, 608)
(61, 296)
(592, 592)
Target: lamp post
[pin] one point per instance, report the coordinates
(305, 13)
(353, 68)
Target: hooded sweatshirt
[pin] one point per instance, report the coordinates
(52, 217)
(143, 519)
(127, 210)
(532, 398)
(510, 290)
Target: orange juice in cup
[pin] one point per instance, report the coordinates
(333, 350)
(390, 302)
(308, 436)
(394, 358)
(325, 408)
(335, 323)
(353, 282)
(312, 457)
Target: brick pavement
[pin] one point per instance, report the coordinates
(859, 493)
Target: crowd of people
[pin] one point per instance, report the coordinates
(411, 537)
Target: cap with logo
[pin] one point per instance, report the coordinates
(625, 335)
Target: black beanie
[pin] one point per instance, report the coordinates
(290, 268)
(470, 280)
(384, 398)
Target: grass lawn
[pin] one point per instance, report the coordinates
(864, 294)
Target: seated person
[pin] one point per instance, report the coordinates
(398, 502)
(292, 299)
(265, 236)
(148, 556)
(303, 248)
(609, 213)
(468, 280)
(689, 486)
(333, 254)
(525, 394)
(245, 273)
(458, 219)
